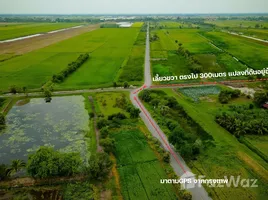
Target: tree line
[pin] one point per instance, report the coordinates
(188, 137)
(244, 119)
(73, 66)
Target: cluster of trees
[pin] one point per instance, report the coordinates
(193, 63)
(189, 143)
(154, 38)
(226, 95)
(46, 162)
(243, 119)
(58, 78)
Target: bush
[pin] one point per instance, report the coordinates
(108, 144)
(99, 166)
(166, 157)
(13, 89)
(104, 132)
(102, 123)
(117, 115)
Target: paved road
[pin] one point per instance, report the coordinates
(176, 161)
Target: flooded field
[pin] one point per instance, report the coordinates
(62, 124)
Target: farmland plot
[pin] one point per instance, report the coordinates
(196, 92)
(253, 53)
(9, 31)
(139, 169)
(107, 53)
(102, 68)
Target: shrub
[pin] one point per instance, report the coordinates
(102, 123)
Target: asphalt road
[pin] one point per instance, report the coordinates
(176, 161)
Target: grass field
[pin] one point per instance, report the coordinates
(132, 69)
(257, 33)
(115, 45)
(237, 23)
(251, 52)
(260, 142)
(107, 52)
(236, 159)
(137, 24)
(9, 31)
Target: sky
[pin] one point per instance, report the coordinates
(131, 6)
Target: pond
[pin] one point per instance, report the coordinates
(62, 124)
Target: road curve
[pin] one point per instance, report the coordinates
(176, 161)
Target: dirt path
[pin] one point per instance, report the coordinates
(24, 46)
(99, 148)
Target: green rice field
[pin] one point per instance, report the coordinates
(9, 31)
(107, 52)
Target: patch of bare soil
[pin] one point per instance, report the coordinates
(207, 99)
(26, 45)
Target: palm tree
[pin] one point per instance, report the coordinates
(16, 166)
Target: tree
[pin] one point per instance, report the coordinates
(155, 102)
(115, 85)
(48, 95)
(186, 195)
(164, 110)
(126, 85)
(134, 112)
(176, 41)
(24, 89)
(108, 144)
(16, 166)
(104, 132)
(260, 98)
(146, 95)
(99, 166)
(13, 89)
(2, 119)
(166, 157)
(3, 174)
(102, 123)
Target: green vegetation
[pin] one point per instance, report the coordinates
(84, 190)
(236, 159)
(132, 69)
(70, 69)
(46, 162)
(243, 119)
(108, 49)
(9, 31)
(137, 164)
(137, 24)
(101, 70)
(251, 52)
(186, 135)
(196, 92)
(241, 23)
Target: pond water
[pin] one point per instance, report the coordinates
(61, 124)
